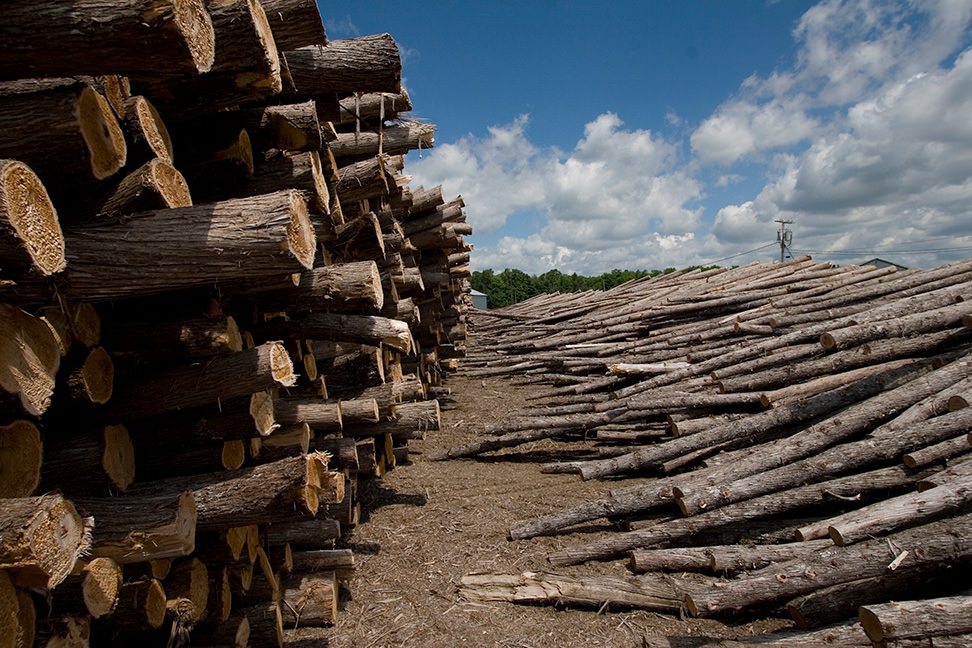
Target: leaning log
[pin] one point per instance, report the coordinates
(40, 539)
(940, 617)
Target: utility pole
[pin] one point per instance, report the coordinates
(784, 237)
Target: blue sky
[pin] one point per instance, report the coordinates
(590, 136)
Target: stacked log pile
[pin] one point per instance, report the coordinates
(789, 437)
(221, 306)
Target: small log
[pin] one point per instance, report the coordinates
(301, 172)
(82, 141)
(40, 539)
(304, 534)
(310, 600)
(29, 358)
(93, 380)
(188, 580)
(222, 378)
(141, 606)
(362, 329)
(353, 287)
(173, 341)
(232, 239)
(641, 592)
(295, 23)
(99, 38)
(906, 325)
(392, 140)
(21, 452)
(359, 410)
(721, 558)
(292, 441)
(359, 239)
(154, 185)
(133, 529)
(367, 179)
(31, 240)
(371, 105)
(293, 127)
(266, 624)
(315, 412)
(365, 64)
(938, 451)
(95, 462)
(939, 617)
(94, 591)
(146, 134)
(340, 561)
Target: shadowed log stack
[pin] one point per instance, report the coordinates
(213, 319)
(816, 415)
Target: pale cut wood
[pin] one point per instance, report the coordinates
(29, 358)
(939, 617)
(40, 539)
(172, 249)
(188, 580)
(154, 185)
(146, 135)
(310, 600)
(21, 453)
(30, 232)
(92, 462)
(98, 37)
(94, 590)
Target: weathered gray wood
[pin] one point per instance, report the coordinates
(365, 64)
(940, 617)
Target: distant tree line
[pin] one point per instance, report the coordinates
(512, 286)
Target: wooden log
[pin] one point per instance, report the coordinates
(266, 624)
(188, 580)
(99, 38)
(222, 378)
(359, 410)
(317, 533)
(937, 451)
(300, 171)
(90, 376)
(234, 632)
(310, 599)
(931, 547)
(929, 320)
(339, 561)
(93, 591)
(256, 495)
(232, 239)
(147, 137)
(291, 441)
(29, 358)
(318, 414)
(40, 539)
(293, 127)
(95, 462)
(133, 529)
(353, 287)
(83, 141)
(938, 617)
(295, 23)
(954, 496)
(365, 64)
(141, 606)
(371, 105)
(392, 140)
(359, 239)
(720, 559)
(642, 592)
(31, 240)
(154, 185)
(21, 452)
(173, 341)
(363, 329)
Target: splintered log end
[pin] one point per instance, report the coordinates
(301, 239)
(29, 358)
(281, 367)
(322, 199)
(151, 126)
(102, 582)
(261, 410)
(118, 459)
(375, 286)
(28, 220)
(102, 134)
(269, 80)
(194, 25)
(41, 538)
(21, 453)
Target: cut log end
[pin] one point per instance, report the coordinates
(154, 605)
(25, 205)
(118, 460)
(152, 127)
(827, 341)
(102, 582)
(272, 81)
(102, 135)
(261, 410)
(281, 366)
(191, 19)
(20, 459)
(97, 376)
(871, 624)
(301, 239)
(233, 454)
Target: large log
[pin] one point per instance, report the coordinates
(82, 141)
(939, 617)
(154, 185)
(320, 415)
(219, 379)
(92, 462)
(295, 23)
(293, 127)
(30, 233)
(930, 320)
(375, 105)
(301, 172)
(197, 246)
(353, 287)
(365, 64)
(29, 358)
(141, 606)
(310, 599)
(931, 548)
(21, 452)
(94, 590)
(40, 539)
(367, 179)
(134, 529)
(304, 534)
(97, 37)
(393, 140)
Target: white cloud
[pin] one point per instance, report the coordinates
(741, 128)
(342, 27)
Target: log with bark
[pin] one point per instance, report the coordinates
(295, 23)
(353, 287)
(172, 341)
(154, 185)
(890, 623)
(133, 529)
(91, 462)
(363, 329)
(93, 589)
(364, 64)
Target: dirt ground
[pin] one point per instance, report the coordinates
(429, 523)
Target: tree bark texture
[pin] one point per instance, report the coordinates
(365, 64)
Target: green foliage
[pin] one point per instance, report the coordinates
(512, 286)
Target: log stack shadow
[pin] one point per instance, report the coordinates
(222, 310)
(784, 438)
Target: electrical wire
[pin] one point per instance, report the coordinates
(865, 252)
(733, 256)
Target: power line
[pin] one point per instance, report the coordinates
(860, 252)
(733, 256)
